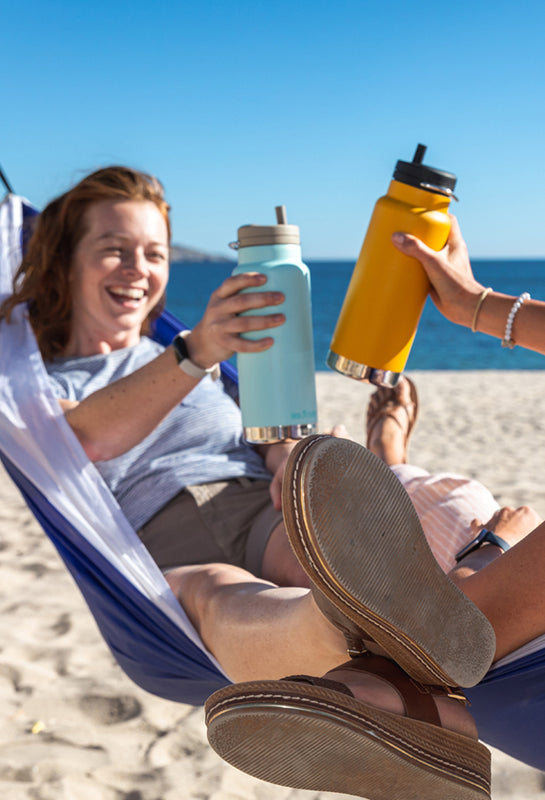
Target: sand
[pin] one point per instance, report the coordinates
(73, 726)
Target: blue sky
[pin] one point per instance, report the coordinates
(241, 106)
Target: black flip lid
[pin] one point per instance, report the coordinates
(415, 173)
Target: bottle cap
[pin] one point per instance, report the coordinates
(282, 233)
(415, 173)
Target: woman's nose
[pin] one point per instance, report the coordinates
(136, 262)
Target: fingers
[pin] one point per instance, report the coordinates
(513, 524)
(340, 432)
(245, 281)
(235, 295)
(413, 247)
(234, 317)
(475, 526)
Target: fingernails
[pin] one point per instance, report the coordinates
(399, 238)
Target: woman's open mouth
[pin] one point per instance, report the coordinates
(127, 295)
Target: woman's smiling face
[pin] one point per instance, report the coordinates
(119, 273)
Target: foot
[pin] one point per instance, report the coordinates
(381, 693)
(377, 735)
(391, 417)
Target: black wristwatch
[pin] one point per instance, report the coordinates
(484, 536)
(184, 361)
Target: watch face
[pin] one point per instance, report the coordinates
(180, 348)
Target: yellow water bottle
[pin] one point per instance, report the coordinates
(384, 300)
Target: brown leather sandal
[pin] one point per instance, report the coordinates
(384, 400)
(312, 733)
(357, 536)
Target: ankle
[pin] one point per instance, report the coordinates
(388, 442)
(380, 693)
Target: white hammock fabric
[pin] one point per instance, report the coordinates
(37, 439)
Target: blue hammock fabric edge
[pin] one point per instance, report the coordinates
(148, 646)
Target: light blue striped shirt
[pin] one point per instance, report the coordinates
(199, 442)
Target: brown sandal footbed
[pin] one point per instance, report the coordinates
(356, 534)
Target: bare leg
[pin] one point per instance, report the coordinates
(258, 631)
(254, 628)
(391, 416)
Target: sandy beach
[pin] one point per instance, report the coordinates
(74, 727)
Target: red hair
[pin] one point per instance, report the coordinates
(42, 280)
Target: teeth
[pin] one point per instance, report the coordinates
(131, 294)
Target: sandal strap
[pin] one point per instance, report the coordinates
(418, 699)
(324, 683)
(387, 399)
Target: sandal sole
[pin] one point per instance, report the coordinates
(317, 739)
(357, 535)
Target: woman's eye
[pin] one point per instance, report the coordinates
(156, 255)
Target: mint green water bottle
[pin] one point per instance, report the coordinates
(277, 387)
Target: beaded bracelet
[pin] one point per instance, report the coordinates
(507, 341)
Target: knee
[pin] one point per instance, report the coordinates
(200, 590)
(194, 588)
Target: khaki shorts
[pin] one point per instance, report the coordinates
(228, 522)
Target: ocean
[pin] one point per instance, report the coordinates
(439, 345)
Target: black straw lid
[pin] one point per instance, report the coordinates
(415, 173)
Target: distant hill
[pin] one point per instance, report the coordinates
(180, 253)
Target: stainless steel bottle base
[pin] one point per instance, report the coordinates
(361, 372)
(278, 433)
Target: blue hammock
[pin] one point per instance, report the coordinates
(138, 616)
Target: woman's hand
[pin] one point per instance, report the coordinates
(276, 457)
(455, 290)
(218, 335)
(512, 524)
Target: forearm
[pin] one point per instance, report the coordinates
(528, 326)
(510, 591)
(114, 419)
(474, 562)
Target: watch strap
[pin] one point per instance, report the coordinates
(484, 536)
(186, 364)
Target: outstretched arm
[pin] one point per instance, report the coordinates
(456, 292)
(112, 420)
